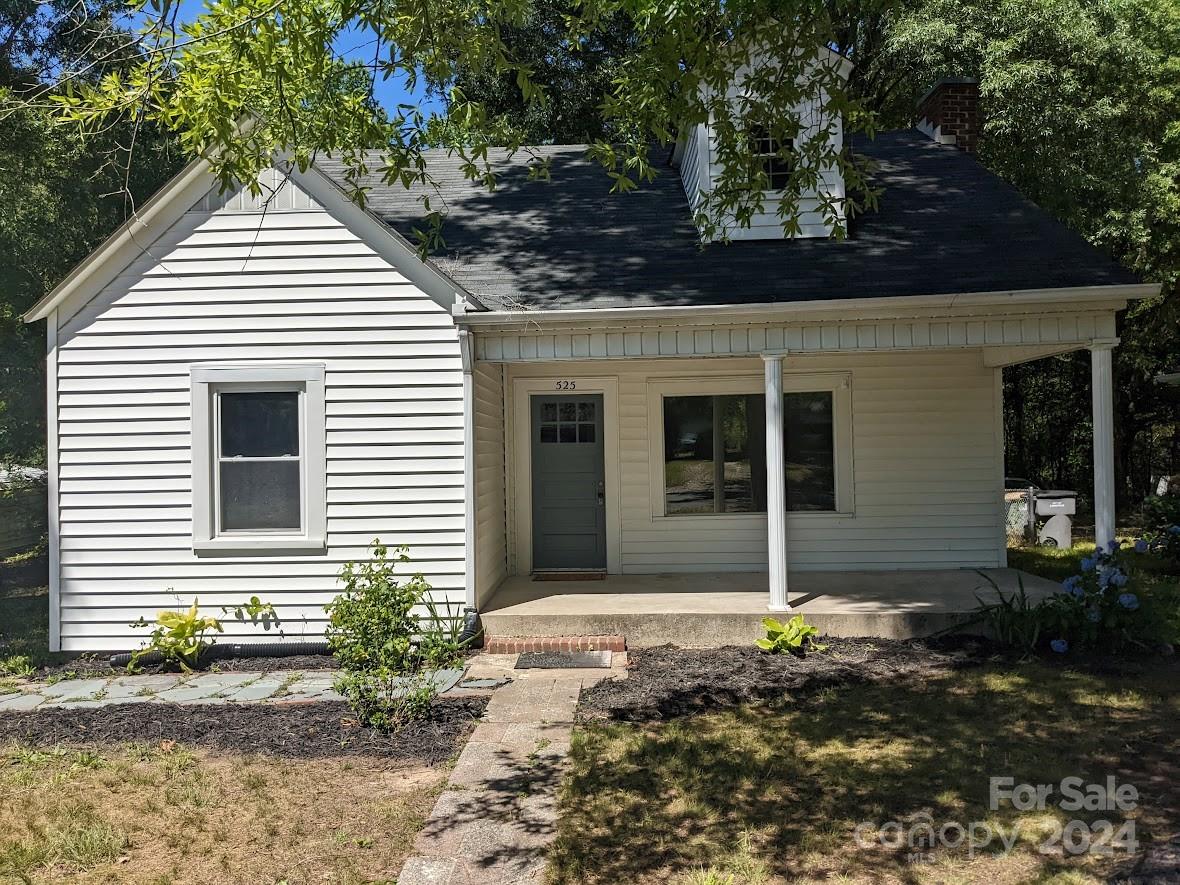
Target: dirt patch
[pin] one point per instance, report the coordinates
(296, 730)
(667, 681)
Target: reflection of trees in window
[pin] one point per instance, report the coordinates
(715, 453)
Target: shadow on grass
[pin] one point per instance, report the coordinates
(652, 803)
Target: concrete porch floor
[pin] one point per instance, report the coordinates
(710, 609)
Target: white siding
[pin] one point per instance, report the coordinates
(491, 550)
(927, 469)
(229, 283)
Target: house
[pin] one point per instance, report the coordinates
(243, 392)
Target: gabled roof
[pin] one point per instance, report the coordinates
(945, 225)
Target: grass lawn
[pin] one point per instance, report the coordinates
(751, 796)
(168, 814)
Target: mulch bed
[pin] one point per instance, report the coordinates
(313, 730)
(666, 681)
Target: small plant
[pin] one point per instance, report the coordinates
(17, 665)
(179, 638)
(385, 700)
(794, 636)
(371, 624)
(1014, 621)
(255, 611)
(439, 644)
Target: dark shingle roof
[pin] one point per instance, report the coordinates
(945, 225)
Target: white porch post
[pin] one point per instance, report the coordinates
(1102, 392)
(776, 488)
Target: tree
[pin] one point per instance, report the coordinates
(1081, 100)
(202, 79)
(62, 191)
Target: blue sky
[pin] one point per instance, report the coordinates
(389, 93)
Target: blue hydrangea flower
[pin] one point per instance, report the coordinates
(1119, 579)
(1141, 546)
(1129, 601)
(1059, 645)
(1093, 615)
(1089, 563)
(1174, 530)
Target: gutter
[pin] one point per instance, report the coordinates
(740, 312)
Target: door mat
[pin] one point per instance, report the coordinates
(569, 576)
(563, 660)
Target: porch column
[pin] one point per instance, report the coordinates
(1102, 392)
(776, 487)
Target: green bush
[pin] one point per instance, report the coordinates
(1161, 511)
(372, 626)
(382, 646)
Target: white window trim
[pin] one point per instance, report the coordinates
(308, 380)
(839, 384)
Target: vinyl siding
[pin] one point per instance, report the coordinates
(229, 283)
(927, 469)
(491, 550)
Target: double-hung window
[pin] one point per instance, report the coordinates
(714, 449)
(777, 158)
(258, 458)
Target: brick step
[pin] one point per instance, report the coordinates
(507, 645)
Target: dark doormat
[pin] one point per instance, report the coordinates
(569, 576)
(563, 660)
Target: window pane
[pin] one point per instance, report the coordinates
(586, 433)
(259, 425)
(810, 452)
(688, 454)
(548, 433)
(548, 411)
(743, 423)
(567, 433)
(260, 495)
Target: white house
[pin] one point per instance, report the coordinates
(243, 393)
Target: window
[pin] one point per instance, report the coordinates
(778, 170)
(258, 458)
(715, 453)
(571, 422)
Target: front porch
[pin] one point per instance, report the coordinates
(723, 608)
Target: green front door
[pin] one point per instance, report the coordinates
(569, 510)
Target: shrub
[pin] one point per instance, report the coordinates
(382, 646)
(371, 624)
(1164, 543)
(794, 636)
(178, 637)
(1161, 511)
(1102, 607)
(385, 700)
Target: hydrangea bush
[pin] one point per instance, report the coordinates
(1164, 543)
(1101, 608)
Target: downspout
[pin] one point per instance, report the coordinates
(471, 632)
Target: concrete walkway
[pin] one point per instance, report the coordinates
(280, 686)
(494, 822)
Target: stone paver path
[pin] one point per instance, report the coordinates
(280, 686)
(495, 820)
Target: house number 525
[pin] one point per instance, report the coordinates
(566, 385)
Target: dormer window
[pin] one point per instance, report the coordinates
(766, 149)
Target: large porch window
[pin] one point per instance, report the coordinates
(708, 457)
(715, 453)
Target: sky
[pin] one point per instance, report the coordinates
(389, 93)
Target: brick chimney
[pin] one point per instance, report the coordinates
(949, 113)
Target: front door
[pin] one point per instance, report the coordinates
(569, 510)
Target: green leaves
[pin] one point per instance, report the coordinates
(794, 636)
(657, 70)
(179, 638)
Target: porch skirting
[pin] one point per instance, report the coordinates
(707, 610)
